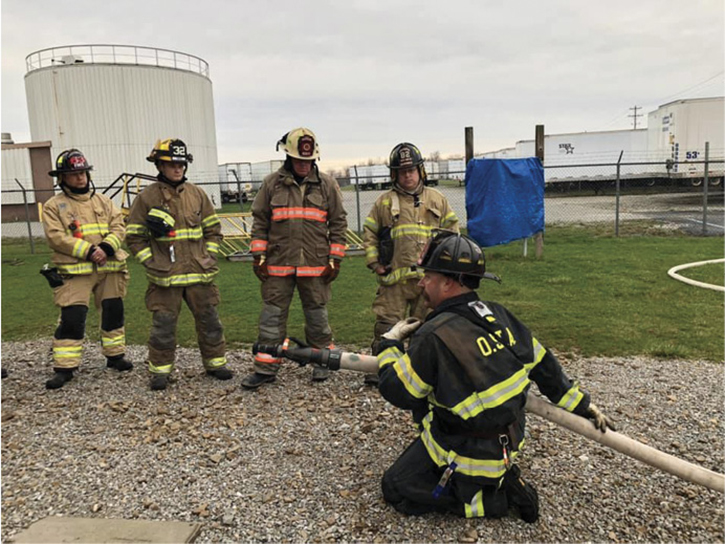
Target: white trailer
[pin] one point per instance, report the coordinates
(235, 181)
(261, 170)
(679, 130)
(373, 177)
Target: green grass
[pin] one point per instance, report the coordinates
(591, 293)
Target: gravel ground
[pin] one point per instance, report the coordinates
(297, 461)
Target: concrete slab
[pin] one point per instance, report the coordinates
(88, 530)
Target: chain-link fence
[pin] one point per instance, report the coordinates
(686, 196)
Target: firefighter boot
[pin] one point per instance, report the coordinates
(255, 379)
(60, 378)
(222, 373)
(119, 362)
(320, 373)
(159, 382)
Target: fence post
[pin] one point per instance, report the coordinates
(539, 149)
(357, 199)
(705, 183)
(616, 196)
(27, 217)
(239, 190)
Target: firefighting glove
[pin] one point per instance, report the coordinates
(331, 271)
(403, 329)
(601, 421)
(260, 268)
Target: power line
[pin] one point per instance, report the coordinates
(635, 115)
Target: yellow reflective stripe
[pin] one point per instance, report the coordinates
(160, 369)
(76, 269)
(475, 509)
(371, 252)
(80, 249)
(216, 362)
(113, 240)
(449, 219)
(161, 214)
(388, 356)
(487, 468)
(539, 352)
(135, 228)
(400, 274)
(371, 224)
(107, 341)
(67, 352)
(112, 266)
(212, 247)
(493, 396)
(179, 280)
(144, 255)
(195, 233)
(210, 221)
(95, 228)
(571, 399)
(411, 229)
(408, 376)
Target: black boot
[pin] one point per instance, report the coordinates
(159, 382)
(222, 373)
(60, 378)
(119, 362)
(255, 379)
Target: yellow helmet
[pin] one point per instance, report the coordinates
(300, 143)
(171, 150)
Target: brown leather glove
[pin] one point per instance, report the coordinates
(601, 421)
(260, 268)
(331, 271)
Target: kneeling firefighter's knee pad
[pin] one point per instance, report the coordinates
(521, 495)
(112, 310)
(72, 324)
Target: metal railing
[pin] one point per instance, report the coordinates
(115, 54)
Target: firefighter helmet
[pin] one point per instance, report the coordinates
(170, 150)
(70, 160)
(455, 255)
(300, 143)
(406, 155)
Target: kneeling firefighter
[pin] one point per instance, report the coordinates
(85, 230)
(465, 377)
(175, 233)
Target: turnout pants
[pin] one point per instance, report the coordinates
(72, 297)
(165, 303)
(408, 486)
(277, 293)
(391, 304)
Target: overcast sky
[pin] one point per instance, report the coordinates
(365, 75)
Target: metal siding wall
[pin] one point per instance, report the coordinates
(16, 164)
(115, 114)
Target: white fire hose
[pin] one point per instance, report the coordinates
(668, 463)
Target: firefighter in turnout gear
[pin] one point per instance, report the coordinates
(85, 231)
(298, 241)
(395, 232)
(465, 377)
(175, 233)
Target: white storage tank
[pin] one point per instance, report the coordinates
(114, 101)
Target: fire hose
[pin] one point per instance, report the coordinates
(336, 359)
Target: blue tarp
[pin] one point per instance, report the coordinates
(504, 199)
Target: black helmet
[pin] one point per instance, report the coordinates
(455, 255)
(406, 155)
(170, 150)
(70, 160)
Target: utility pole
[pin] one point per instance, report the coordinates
(635, 115)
